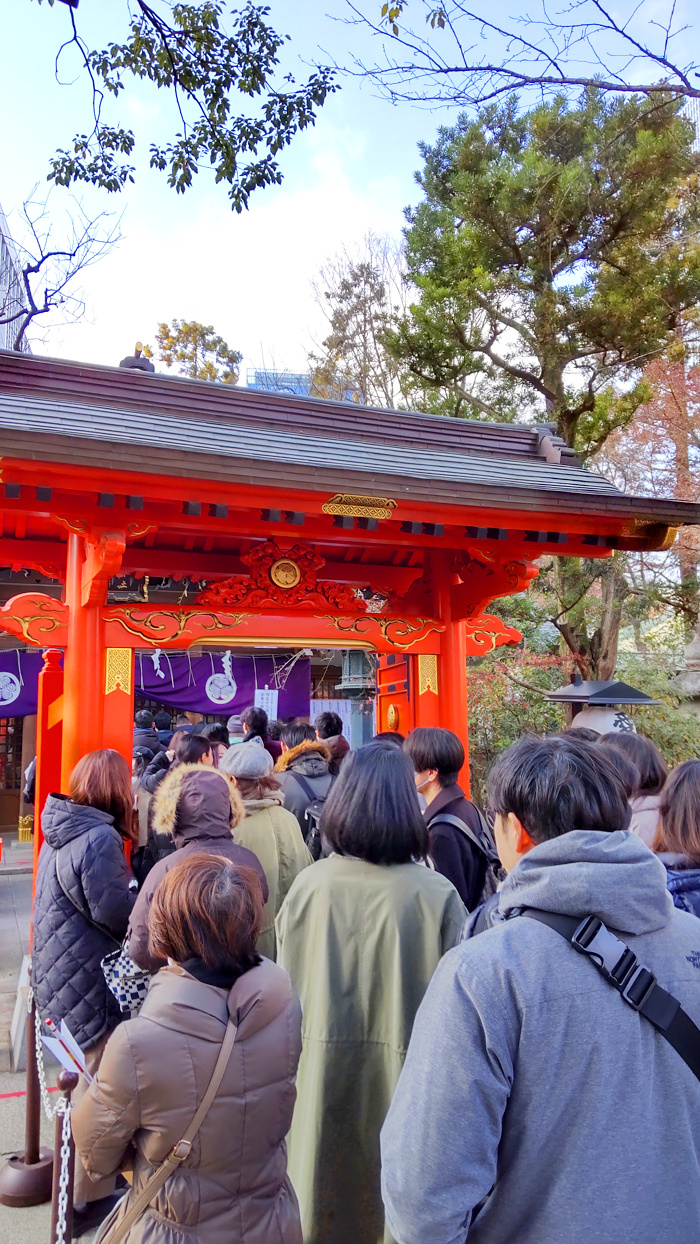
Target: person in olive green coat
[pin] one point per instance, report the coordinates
(267, 829)
(360, 934)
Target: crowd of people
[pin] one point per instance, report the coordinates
(350, 1035)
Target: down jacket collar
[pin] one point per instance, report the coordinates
(178, 1001)
(62, 820)
(194, 801)
(309, 753)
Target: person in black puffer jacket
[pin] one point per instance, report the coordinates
(82, 906)
(677, 841)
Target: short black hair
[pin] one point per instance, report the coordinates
(328, 725)
(216, 733)
(431, 747)
(584, 733)
(256, 720)
(191, 749)
(372, 811)
(183, 719)
(390, 736)
(162, 720)
(557, 784)
(274, 729)
(298, 732)
(143, 719)
(652, 767)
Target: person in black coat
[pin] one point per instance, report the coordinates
(82, 906)
(145, 733)
(437, 757)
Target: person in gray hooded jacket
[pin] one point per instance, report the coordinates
(535, 1106)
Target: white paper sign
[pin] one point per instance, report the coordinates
(267, 699)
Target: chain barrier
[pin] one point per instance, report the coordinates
(49, 1109)
(64, 1107)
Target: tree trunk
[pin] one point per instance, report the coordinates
(595, 654)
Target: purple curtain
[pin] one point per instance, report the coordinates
(218, 683)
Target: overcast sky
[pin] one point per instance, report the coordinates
(190, 256)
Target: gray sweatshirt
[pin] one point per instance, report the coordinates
(529, 1083)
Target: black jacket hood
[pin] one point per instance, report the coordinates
(62, 820)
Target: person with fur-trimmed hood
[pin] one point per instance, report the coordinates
(200, 808)
(303, 769)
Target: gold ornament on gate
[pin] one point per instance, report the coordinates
(285, 573)
(392, 717)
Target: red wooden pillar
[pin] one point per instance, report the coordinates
(83, 666)
(452, 692)
(49, 733)
(119, 701)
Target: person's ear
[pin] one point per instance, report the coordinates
(284, 747)
(522, 840)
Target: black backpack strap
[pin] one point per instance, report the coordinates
(481, 843)
(620, 967)
(310, 794)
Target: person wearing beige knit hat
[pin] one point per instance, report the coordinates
(268, 829)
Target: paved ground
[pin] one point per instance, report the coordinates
(15, 914)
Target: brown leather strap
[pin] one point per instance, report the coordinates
(181, 1150)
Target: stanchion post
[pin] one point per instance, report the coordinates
(64, 1166)
(26, 1179)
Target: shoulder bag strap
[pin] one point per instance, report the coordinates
(308, 791)
(182, 1149)
(79, 907)
(621, 968)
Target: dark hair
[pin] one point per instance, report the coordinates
(143, 757)
(216, 733)
(584, 733)
(372, 811)
(206, 906)
(182, 720)
(274, 729)
(102, 780)
(628, 772)
(652, 767)
(679, 823)
(431, 747)
(328, 725)
(256, 720)
(190, 751)
(390, 736)
(143, 719)
(558, 784)
(162, 720)
(298, 732)
(256, 788)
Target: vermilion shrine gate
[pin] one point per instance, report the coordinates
(310, 523)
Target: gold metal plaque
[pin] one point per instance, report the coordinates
(285, 573)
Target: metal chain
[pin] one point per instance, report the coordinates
(64, 1107)
(49, 1109)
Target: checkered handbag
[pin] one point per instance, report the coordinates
(126, 980)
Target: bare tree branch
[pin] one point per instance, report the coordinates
(582, 44)
(47, 273)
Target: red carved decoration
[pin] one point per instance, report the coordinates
(486, 632)
(484, 581)
(103, 558)
(260, 591)
(37, 619)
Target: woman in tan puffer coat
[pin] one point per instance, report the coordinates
(233, 1186)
